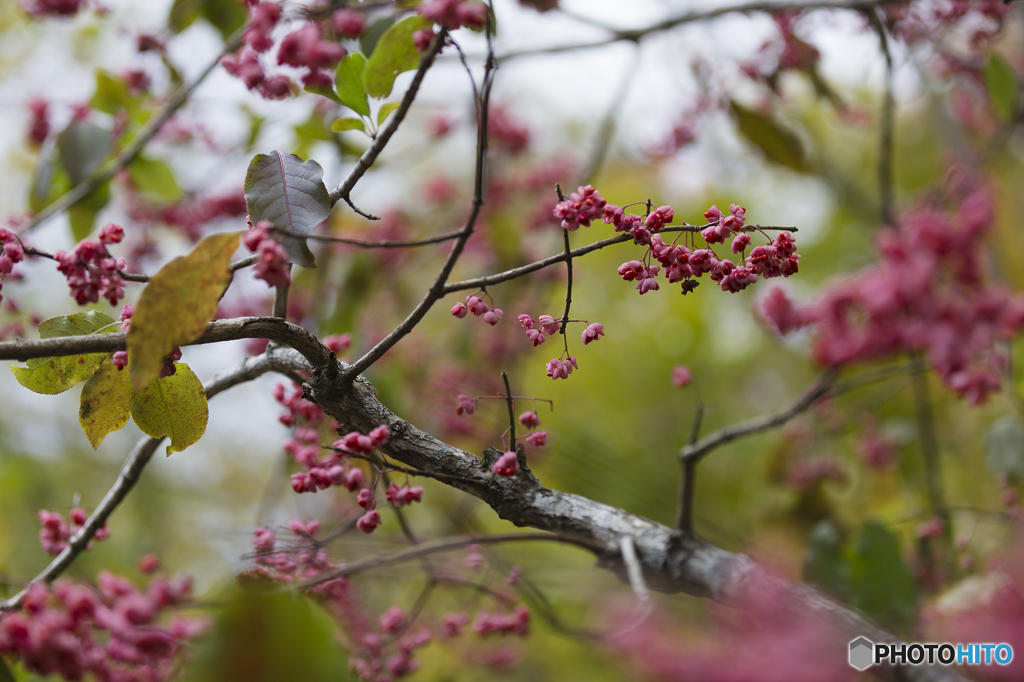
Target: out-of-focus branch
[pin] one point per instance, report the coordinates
(140, 455)
(635, 35)
(885, 144)
(701, 448)
(133, 148)
(374, 244)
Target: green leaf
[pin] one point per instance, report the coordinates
(48, 184)
(881, 585)
(368, 41)
(348, 79)
(1004, 447)
(183, 13)
(255, 125)
(395, 53)
(111, 93)
(227, 16)
(307, 133)
(106, 402)
(385, 111)
(5, 673)
(779, 144)
(264, 636)
(824, 564)
(154, 178)
(177, 304)
(50, 376)
(290, 193)
(82, 148)
(82, 214)
(323, 91)
(1003, 87)
(343, 124)
(173, 407)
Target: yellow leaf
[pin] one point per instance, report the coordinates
(106, 402)
(178, 303)
(173, 407)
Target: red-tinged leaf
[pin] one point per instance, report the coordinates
(106, 402)
(290, 193)
(178, 303)
(173, 407)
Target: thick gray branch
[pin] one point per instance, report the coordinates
(688, 565)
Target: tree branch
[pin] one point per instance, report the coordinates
(635, 35)
(343, 190)
(437, 289)
(271, 328)
(688, 565)
(140, 455)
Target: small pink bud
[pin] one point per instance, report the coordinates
(507, 464)
(681, 376)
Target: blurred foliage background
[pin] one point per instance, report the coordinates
(616, 424)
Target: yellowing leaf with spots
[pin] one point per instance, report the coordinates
(56, 375)
(178, 303)
(173, 407)
(106, 402)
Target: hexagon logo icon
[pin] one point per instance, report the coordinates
(861, 652)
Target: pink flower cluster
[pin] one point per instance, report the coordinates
(56, 532)
(561, 369)
(90, 269)
(453, 14)
(39, 128)
(530, 420)
(53, 8)
(507, 464)
(477, 306)
(401, 497)
(110, 631)
(806, 473)
(290, 563)
(371, 665)
(517, 622)
(305, 48)
(272, 265)
(466, 405)
(925, 294)
(188, 215)
(681, 264)
(581, 208)
(12, 253)
(536, 330)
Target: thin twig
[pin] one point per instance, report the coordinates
(567, 252)
(133, 148)
(343, 190)
(633, 569)
(885, 145)
(635, 35)
(437, 289)
(688, 482)
(607, 128)
(140, 455)
(438, 546)
(511, 415)
(374, 244)
(701, 448)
